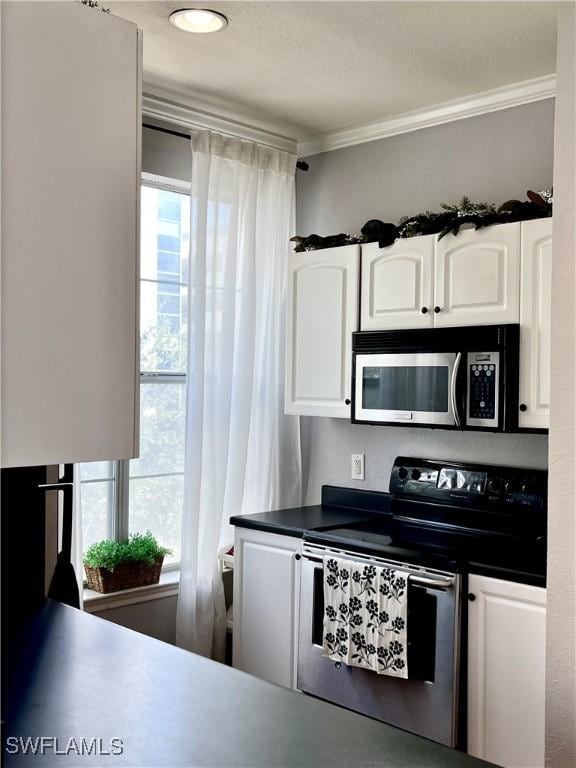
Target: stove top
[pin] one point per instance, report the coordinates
(455, 516)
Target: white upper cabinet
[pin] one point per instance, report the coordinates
(70, 228)
(506, 672)
(477, 280)
(397, 284)
(535, 338)
(322, 314)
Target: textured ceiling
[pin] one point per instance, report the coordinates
(307, 67)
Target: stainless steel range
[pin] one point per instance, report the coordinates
(443, 520)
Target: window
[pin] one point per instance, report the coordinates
(147, 493)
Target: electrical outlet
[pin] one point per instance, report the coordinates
(357, 466)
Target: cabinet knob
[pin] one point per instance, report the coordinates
(338, 664)
(523, 407)
(471, 597)
(297, 556)
(437, 309)
(347, 401)
(424, 310)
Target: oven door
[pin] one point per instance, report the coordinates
(427, 702)
(406, 388)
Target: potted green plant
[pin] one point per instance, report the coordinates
(134, 562)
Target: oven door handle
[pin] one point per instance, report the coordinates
(453, 398)
(414, 578)
(312, 559)
(431, 582)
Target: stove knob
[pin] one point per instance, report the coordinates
(402, 473)
(527, 486)
(509, 486)
(415, 474)
(495, 485)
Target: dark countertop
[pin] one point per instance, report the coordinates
(343, 507)
(339, 507)
(76, 675)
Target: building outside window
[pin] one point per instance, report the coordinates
(118, 498)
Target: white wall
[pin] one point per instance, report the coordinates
(156, 618)
(561, 624)
(493, 157)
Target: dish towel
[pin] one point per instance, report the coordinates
(365, 616)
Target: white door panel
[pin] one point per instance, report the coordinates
(478, 277)
(535, 316)
(266, 595)
(506, 672)
(322, 314)
(397, 287)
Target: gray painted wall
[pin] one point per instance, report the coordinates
(166, 155)
(328, 444)
(493, 157)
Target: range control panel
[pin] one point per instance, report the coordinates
(481, 486)
(483, 389)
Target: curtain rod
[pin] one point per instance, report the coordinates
(302, 165)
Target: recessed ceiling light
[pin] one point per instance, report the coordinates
(198, 20)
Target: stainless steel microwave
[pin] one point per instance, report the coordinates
(460, 378)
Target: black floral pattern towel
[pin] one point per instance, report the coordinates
(365, 616)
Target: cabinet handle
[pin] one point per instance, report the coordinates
(471, 597)
(437, 309)
(424, 310)
(347, 401)
(523, 407)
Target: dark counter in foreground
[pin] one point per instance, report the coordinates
(79, 676)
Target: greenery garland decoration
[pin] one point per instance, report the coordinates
(448, 221)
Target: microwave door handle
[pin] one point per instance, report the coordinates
(453, 398)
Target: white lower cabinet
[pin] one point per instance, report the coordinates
(506, 672)
(266, 598)
(535, 317)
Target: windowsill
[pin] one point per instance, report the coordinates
(94, 602)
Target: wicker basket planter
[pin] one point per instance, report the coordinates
(127, 575)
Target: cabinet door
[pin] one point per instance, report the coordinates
(266, 595)
(506, 670)
(70, 191)
(397, 289)
(478, 277)
(535, 311)
(322, 314)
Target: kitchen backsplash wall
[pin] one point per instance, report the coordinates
(327, 445)
(492, 157)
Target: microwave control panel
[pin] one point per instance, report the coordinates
(483, 369)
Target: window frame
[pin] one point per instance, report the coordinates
(120, 475)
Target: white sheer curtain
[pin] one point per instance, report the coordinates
(242, 452)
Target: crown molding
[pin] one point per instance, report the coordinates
(157, 107)
(508, 96)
